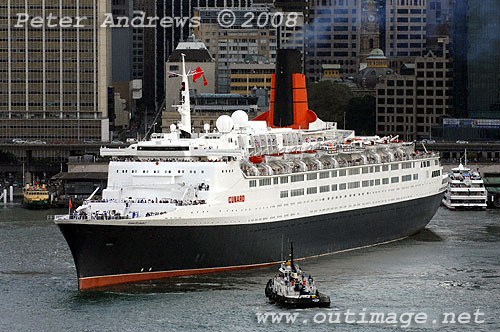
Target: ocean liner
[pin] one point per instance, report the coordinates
(186, 203)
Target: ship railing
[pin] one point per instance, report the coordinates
(172, 160)
(295, 168)
(176, 202)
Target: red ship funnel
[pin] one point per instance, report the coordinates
(288, 107)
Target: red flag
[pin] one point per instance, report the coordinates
(205, 82)
(197, 74)
(70, 204)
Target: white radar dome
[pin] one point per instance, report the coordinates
(224, 124)
(206, 127)
(240, 119)
(172, 127)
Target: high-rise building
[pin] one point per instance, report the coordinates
(236, 44)
(483, 62)
(475, 54)
(411, 103)
(54, 80)
(144, 48)
(122, 41)
(333, 37)
(459, 53)
(405, 28)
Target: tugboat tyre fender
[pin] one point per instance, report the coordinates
(269, 288)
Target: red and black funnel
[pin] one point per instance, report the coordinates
(288, 107)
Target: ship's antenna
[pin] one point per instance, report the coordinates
(465, 157)
(185, 104)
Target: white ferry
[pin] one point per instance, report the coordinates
(232, 198)
(465, 190)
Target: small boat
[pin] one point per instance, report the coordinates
(291, 288)
(465, 189)
(36, 197)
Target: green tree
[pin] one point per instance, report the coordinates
(360, 115)
(329, 100)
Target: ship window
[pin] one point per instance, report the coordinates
(252, 183)
(406, 178)
(353, 185)
(377, 182)
(415, 177)
(342, 186)
(312, 190)
(324, 189)
(324, 175)
(385, 181)
(312, 176)
(334, 187)
(334, 174)
(117, 171)
(297, 192)
(284, 179)
(377, 168)
(163, 148)
(354, 171)
(366, 183)
(395, 179)
(406, 165)
(365, 170)
(385, 168)
(297, 178)
(342, 172)
(436, 173)
(276, 180)
(436, 162)
(284, 194)
(372, 183)
(428, 163)
(264, 182)
(371, 169)
(394, 167)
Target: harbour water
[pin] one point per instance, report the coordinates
(451, 267)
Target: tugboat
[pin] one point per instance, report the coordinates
(292, 289)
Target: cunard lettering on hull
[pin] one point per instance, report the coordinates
(236, 199)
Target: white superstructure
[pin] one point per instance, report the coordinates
(246, 172)
(465, 190)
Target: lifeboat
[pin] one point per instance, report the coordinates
(257, 159)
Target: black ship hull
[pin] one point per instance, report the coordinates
(106, 255)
